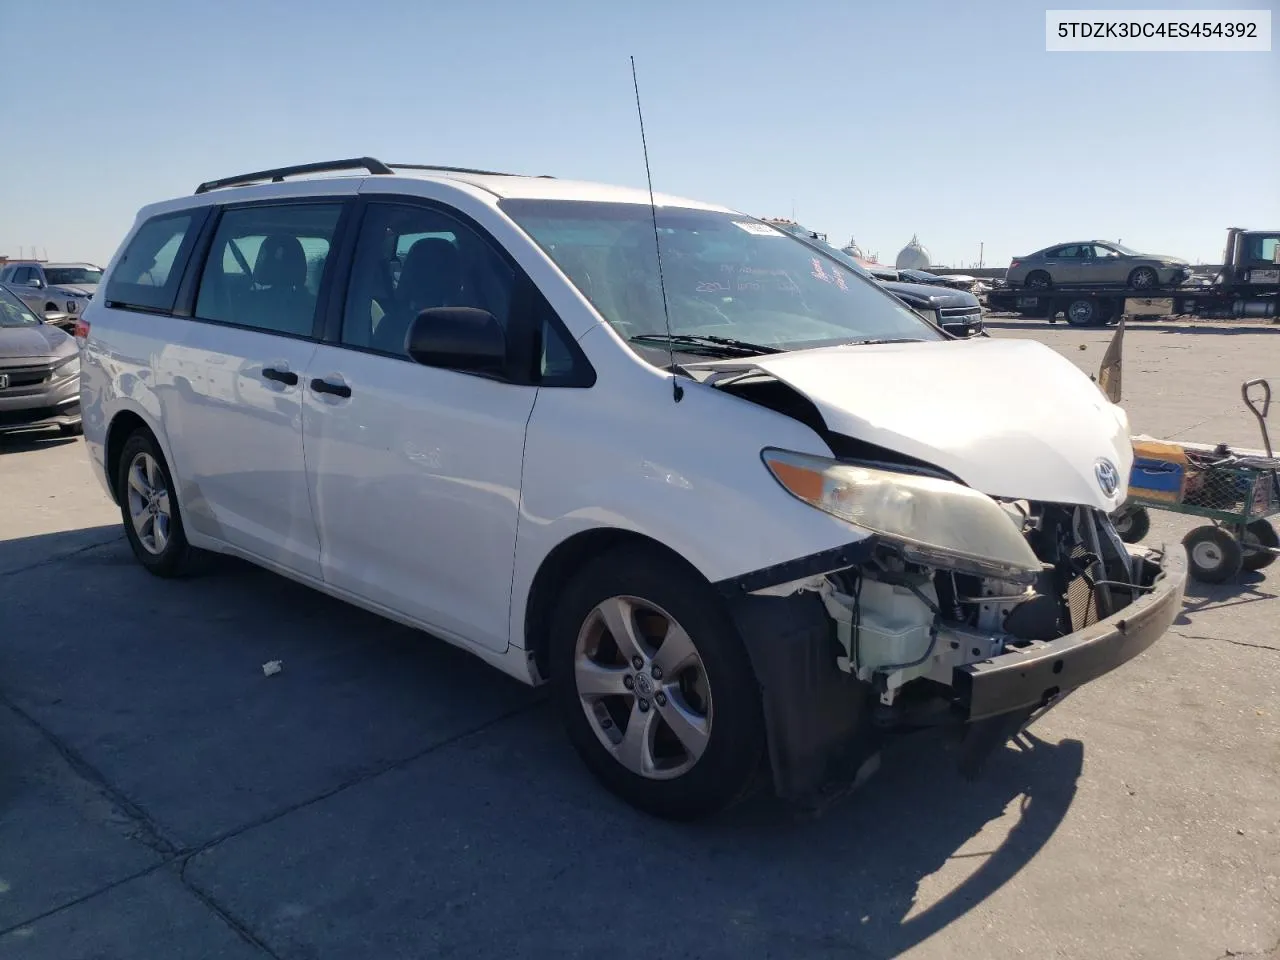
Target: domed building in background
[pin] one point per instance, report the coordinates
(913, 256)
(853, 250)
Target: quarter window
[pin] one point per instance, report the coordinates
(265, 267)
(147, 275)
(409, 259)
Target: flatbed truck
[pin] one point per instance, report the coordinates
(1247, 286)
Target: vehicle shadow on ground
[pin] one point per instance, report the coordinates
(33, 440)
(399, 785)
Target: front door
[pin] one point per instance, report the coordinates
(238, 381)
(415, 471)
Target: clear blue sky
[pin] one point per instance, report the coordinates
(944, 119)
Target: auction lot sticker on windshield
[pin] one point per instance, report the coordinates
(1167, 31)
(759, 229)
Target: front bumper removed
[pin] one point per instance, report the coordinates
(1034, 675)
(819, 718)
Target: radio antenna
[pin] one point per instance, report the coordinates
(677, 391)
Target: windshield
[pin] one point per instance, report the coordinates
(726, 276)
(13, 312)
(58, 276)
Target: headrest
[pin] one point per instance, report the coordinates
(431, 275)
(281, 262)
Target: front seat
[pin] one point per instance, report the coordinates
(430, 276)
(279, 299)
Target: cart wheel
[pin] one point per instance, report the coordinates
(1131, 523)
(1213, 554)
(1259, 534)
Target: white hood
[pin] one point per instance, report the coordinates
(1011, 418)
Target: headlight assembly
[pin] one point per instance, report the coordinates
(69, 368)
(936, 522)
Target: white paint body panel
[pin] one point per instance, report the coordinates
(415, 480)
(1012, 418)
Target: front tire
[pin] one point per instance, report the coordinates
(654, 686)
(149, 509)
(1144, 278)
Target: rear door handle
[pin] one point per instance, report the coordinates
(329, 387)
(280, 376)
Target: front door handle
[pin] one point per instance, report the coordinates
(333, 389)
(280, 376)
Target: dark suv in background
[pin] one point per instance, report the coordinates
(956, 311)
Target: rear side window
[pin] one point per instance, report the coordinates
(147, 276)
(265, 266)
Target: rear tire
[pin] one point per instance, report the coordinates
(1038, 280)
(149, 509)
(1084, 312)
(1213, 554)
(701, 742)
(1259, 533)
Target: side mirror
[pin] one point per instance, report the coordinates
(35, 282)
(56, 316)
(458, 338)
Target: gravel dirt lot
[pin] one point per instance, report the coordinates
(387, 796)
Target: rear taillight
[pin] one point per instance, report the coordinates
(81, 331)
(1014, 263)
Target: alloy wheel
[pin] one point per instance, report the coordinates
(643, 687)
(149, 506)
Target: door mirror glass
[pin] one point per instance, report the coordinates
(458, 338)
(35, 282)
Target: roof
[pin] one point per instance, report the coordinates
(502, 185)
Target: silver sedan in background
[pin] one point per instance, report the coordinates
(1096, 262)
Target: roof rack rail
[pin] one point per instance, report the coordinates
(479, 173)
(279, 173)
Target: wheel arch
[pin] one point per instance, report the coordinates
(562, 563)
(122, 424)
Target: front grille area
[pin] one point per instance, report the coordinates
(31, 376)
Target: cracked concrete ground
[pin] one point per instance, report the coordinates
(386, 796)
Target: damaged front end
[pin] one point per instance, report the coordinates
(965, 630)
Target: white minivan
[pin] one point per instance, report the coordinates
(748, 515)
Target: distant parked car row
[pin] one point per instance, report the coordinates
(1095, 262)
(52, 288)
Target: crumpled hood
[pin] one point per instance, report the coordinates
(1011, 418)
(37, 341)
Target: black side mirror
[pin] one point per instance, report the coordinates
(458, 338)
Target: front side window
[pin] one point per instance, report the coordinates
(1102, 252)
(148, 273)
(15, 313)
(265, 266)
(725, 276)
(57, 276)
(409, 259)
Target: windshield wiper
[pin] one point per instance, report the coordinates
(726, 345)
(870, 342)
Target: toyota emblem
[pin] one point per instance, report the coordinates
(1108, 477)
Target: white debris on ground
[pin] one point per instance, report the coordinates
(271, 668)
